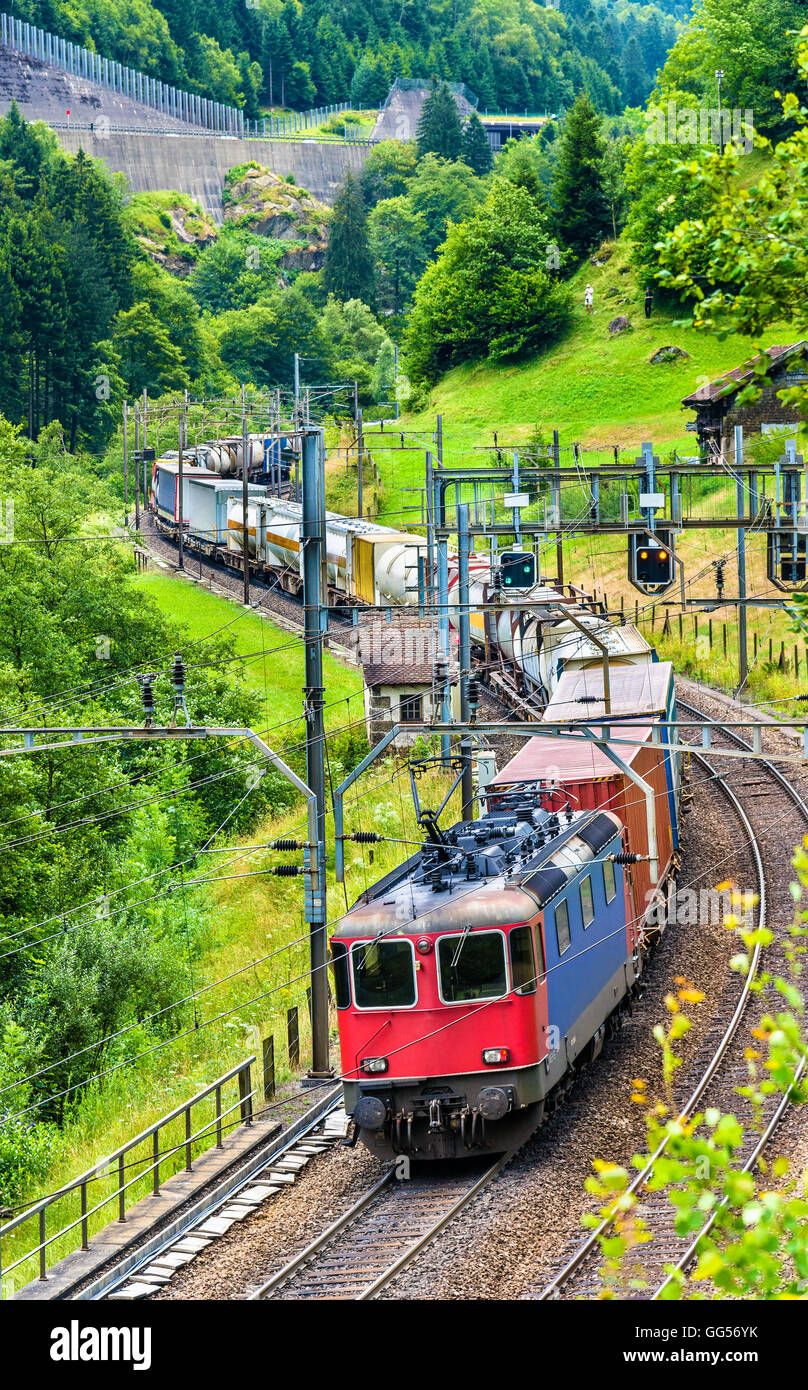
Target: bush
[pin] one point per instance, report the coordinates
(489, 294)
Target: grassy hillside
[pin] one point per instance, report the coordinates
(596, 389)
(602, 391)
(274, 664)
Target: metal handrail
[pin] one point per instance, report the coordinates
(80, 1183)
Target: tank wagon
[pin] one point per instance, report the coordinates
(537, 635)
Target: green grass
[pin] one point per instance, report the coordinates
(595, 389)
(250, 918)
(274, 658)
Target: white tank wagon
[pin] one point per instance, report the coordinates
(538, 635)
(375, 565)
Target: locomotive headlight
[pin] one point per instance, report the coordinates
(494, 1056)
(371, 1066)
(424, 945)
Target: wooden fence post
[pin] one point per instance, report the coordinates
(269, 1067)
(293, 1037)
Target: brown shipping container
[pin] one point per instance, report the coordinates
(591, 780)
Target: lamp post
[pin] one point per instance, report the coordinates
(719, 77)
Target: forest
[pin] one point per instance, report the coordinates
(515, 55)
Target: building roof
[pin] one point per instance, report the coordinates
(731, 382)
(402, 651)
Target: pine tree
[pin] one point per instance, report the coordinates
(348, 270)
(581, 211)
(475, 150)
(635, 77)
(20, 146)
(483, 81)
(439, 130)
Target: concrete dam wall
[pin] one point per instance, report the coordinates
(197, 164)
(154, 151)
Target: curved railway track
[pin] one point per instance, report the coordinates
(775, 815)
(284, 1154)
(390, 1224)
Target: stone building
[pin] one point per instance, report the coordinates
(399, 663)
(718, 410)
(399, 117)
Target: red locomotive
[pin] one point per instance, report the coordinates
(477, 978)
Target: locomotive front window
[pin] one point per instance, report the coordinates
(384, 974)
(339, 962)
(472, 966)
(523, 966)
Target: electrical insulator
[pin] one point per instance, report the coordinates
(146, 683)
(473, 693)
(178, 675)
(286, 846)
(178, 684)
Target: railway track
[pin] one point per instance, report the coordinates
(386, 1229)
(775, 816)
(235, 1196)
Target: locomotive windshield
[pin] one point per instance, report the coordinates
(476, 972)
(384, 974)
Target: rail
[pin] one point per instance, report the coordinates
(590, 1245)
(117, 1162)
(592, 1242)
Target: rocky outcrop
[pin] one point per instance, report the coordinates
(171, 228)
(270, 206)
(619, 325)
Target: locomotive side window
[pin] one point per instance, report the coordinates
(472, 966)
(339, 962)
(384, 974)
(562, 926)
(587, 905)
(523, 966)
(609, 880)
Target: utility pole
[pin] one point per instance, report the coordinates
(144, 432)
(442, 567)
(180, 477)
(430, 535)
(138, 455)
(517, 511)
(464, 627)
(297, 391)
(137, 471)
(719, 78)
(126, 466)
(743, 655)
(557, 511)
(312, 537)
(245, 498)
(395, 377)
(360, 466)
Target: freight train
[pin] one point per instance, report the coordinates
(475, 981)
(373, 565)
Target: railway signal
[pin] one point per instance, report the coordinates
(517, 569)
(651, 561)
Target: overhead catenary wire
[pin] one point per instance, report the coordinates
(395, 927)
